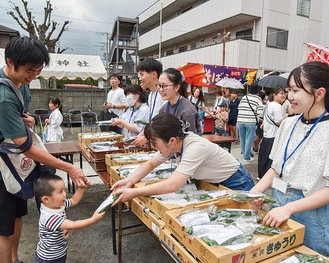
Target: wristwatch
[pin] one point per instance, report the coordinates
(113, 106)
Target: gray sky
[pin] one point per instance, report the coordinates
(90, 20)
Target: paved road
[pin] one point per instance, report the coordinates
(94, 244)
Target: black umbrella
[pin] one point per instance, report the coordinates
(272, 81)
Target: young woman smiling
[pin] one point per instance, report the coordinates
(300, 170)
(172, 87)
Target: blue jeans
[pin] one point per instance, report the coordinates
(240, 180)
(247, 135)
(219, 131)
(316, 221)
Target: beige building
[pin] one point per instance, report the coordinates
(263, 34)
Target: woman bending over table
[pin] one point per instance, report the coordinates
(198, 158)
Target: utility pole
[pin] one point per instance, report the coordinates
(225, 36)
(160, 41)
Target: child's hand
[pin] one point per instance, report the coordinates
(98, 216)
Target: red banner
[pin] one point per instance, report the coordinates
(208, 75)
(317, 53)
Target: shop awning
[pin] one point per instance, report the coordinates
(208, 75)
(70, 66)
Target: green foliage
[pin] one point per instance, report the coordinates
(88, 81)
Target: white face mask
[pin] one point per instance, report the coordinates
(130, 100)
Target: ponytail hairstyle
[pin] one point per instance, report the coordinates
(315, 74)
(56, 101)
(177, 77)
(164, 126)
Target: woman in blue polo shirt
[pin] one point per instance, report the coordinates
(137, 115)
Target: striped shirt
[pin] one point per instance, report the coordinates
(248, 113)
(52, 240)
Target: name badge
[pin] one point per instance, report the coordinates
(279, 185)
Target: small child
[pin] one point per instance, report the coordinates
(221, 119)
(53, 225)
(54, 131)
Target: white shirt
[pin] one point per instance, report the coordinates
(55, 132)
(115, 97)
(130, 116)
(155, 102)
(308, 168)
(272, 114)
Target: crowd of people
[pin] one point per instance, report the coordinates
(286, 127)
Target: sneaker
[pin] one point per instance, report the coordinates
(248, 161)
(258, 179)
(251, 154)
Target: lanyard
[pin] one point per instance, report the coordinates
(152, 109)
(176, 105)
(286, 156)
(132, 113)
(133, 110)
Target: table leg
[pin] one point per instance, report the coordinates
(120, 232)
(80, 160)
(114, 237)
(72, 184)
(227, 145)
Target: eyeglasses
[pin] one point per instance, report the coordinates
(163, 86)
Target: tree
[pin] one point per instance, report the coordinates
(42, 31)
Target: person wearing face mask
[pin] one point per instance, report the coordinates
(134, 119)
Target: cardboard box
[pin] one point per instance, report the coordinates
(120, 148)
(147, 217)
(89, 137)
(291, 252)
(85, 150)
(175, 249)
(114, 171)
(111, 161)
(268, 246)
(159, 208)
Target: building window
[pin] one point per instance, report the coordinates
(182, 49)
(186, 9)
(277, 38)
(304, 8)
(245, 34)
(170, 52)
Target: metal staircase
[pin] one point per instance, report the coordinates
(123, 52)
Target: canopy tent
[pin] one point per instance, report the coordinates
(70, 66)
(317, 53)
(208, 75)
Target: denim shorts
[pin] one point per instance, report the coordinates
(240, 180)
(219, 131)
(316, 221)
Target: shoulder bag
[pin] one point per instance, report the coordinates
(17, 170)
(257, 122)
